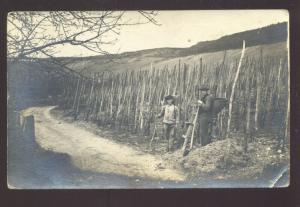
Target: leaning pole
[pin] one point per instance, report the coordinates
(232, 94)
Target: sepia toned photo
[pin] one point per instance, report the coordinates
(148, 99)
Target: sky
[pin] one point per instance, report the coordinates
(183, 29)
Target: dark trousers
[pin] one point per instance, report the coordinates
(204, 130)
(169, 130)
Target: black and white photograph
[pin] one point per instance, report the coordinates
(148, 99)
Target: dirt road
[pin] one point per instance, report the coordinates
(97, 154)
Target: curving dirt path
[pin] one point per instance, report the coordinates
(94, 153)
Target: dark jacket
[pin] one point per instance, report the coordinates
(206, 108)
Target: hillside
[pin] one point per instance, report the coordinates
(88, 67)
(277, 49)
(272, 39)
(265, 35)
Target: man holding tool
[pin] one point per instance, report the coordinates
(202, 121)
(205, 116)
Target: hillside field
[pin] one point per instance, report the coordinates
(88, 66)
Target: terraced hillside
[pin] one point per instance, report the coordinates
(271, 39)
(143, 61)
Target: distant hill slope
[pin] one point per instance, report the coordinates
(141, 62)
(275, 50)
(266, 35)
(272, 38)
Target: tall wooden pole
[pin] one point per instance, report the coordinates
(248, 111)
(233, 89)
(259, 80)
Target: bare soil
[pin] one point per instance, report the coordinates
(262, 161)
(91, 152)
(106, 158)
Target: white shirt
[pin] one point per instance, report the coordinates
(170, 114)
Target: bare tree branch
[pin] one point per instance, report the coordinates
(30, 34)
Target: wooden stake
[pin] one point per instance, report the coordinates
(233, 89)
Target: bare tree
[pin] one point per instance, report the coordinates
(36, 34)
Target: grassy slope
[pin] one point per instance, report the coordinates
(143, 60)
(271, 38)
(217, 57)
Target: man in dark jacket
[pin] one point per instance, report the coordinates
(205, 116)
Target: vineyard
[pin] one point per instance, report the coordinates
(96, 101)
(129, 100)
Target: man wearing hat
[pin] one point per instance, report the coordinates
(170, 113)
(205, 116)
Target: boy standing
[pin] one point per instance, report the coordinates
(170, 113)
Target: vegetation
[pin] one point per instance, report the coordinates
(272, 38)
(129, 100)
(37, 34)
(125, 91)
(266, 35)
